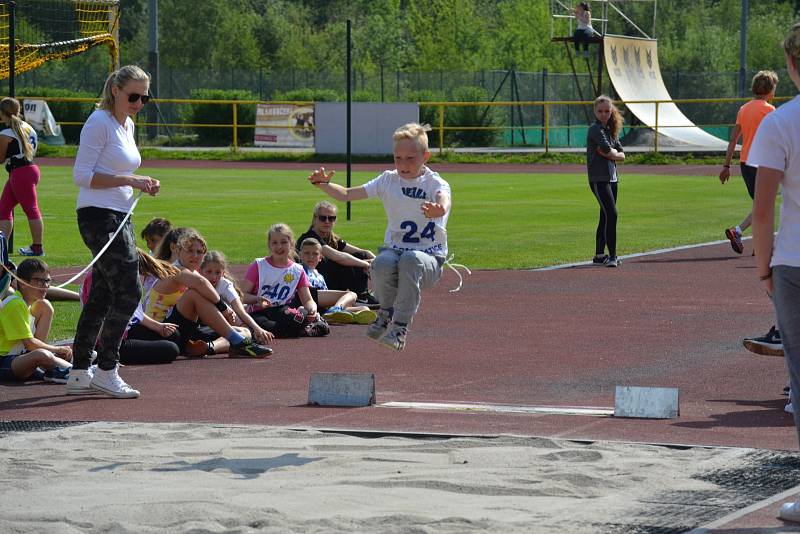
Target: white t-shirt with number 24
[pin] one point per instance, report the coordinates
(407, 227)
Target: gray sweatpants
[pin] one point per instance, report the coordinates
(786, 281)
(398, 277)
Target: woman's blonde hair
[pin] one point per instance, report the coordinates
(216, 256)
(119, 78)
(9, 107)
(415, 132)
(150, 266)
(614, 124)
(333, 239)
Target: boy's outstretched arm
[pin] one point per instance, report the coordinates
(322, 180)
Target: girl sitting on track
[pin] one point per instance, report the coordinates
(215, 269)
(338, 305)
(277, 279)
(186, 296)
(146, 341)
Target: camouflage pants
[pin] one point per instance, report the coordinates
(115, 291)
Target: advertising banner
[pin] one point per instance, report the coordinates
(284, 125)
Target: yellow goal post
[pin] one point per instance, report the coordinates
(45, 30)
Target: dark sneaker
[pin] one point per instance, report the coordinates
(380, 324)
(735, 239)
(28, 251)
(318, 328)
(768, 345)
(395, 337)
(57, 375)
(249, 349)
(599, 259)
(369, 300)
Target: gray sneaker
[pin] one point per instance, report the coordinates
(380, 324)
(395, 337)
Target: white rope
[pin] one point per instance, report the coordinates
(111, 239)
(452, 267)
(94, 260)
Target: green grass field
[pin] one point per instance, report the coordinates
(498, 221)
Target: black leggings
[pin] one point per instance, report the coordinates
(145, 347)
(606, 236)
(344, 277)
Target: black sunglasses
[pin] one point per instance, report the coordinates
(133, 97)
(326, 218)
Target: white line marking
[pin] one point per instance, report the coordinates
(638, 254)
(502, 408)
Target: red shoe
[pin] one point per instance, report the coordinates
(736, 240)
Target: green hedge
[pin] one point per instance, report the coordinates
(221, 114)
(64, 111)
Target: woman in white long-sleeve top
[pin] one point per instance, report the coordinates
(105, 175)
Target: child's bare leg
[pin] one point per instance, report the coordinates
(356, 309)
(193, 305)
(222, 345)
(745, 224)
(333, 297)
(23, 366)
(43, 312)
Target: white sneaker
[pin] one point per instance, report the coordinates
(79, 381)
(790, 511)
(788, 408)
(110, 383)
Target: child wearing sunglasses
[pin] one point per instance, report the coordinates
(25, 319)
(417, 204)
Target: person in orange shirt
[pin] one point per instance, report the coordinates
(747, 121)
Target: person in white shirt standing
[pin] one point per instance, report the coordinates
(417, 205)
(776, 153)
(104, 173)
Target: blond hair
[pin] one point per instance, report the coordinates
(9, 107)
(764, 82)
(614, 123)
(282, 229)
(415, 132)
(119, 78)
(333, 239)
(189, 236)
(150, 266)
(310, 242)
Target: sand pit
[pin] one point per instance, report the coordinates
(142, 478)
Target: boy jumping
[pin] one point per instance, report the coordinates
(417, 205)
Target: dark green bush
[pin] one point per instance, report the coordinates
(222, 114)
(309, 95)
(64, 111)
(472, 116)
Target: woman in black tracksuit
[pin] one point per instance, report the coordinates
(603, 150)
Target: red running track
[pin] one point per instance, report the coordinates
(556, 338)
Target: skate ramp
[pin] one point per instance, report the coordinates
(633, 68)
